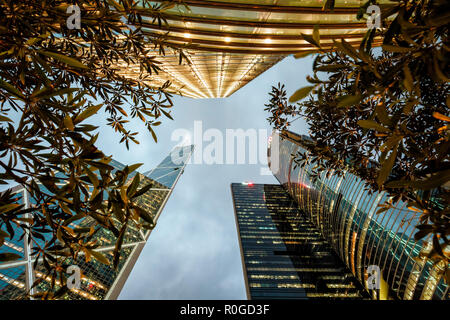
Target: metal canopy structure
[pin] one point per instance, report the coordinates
(232, 42)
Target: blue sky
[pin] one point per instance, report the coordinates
(193, 253)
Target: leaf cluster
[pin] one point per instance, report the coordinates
(384, 114)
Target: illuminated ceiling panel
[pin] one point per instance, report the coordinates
(229, 43)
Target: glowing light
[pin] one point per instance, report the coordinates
(227, 39)
(187, 35)
(267, 40)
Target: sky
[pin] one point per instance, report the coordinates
(193, 252)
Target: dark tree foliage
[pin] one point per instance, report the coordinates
(384, 114)
(52, 79)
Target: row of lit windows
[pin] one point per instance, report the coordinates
(265, 276)
(282, 285)
(296, 269)
(333, 295)
(287, 233)
(278, 237)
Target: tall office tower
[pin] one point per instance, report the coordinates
(344, 211)
(230, 42)
(98, 281)
(283, 254)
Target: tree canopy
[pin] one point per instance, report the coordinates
(383, 113)
(52, 80)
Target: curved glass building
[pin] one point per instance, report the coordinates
(345, 213)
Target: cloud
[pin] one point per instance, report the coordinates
(193, 253)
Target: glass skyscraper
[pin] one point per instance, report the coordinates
(283, 254)
(98, 281)
(344, 211)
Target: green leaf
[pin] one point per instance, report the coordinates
(145, 216)
(142, 190)
(347, 48)
(349, 100)
(391, 142)
(87, 113)
(153, 133)
(134, 167)
(387, 167)
(437, 246)
(116, 5)
(8, 256)
(408, 80)
(118, 246)
(73, 218)
(93, 177)
(4, 118)
(62, 58)
(309, 38)
(331, 67)
(435, 180)
(447, 276)
(382, 114)
(100, 257)
(11, 89)
(438, 71)
(391, 48)
(316, 35)
(372, 124)
(362, 10)
(133, 186)
(424, 231)
(301, 93)
(68, 123)
(4, 234)
(328, 5)
(398, 183)
(9, 207)
(167, 114)
(48, 93)
(32, 41)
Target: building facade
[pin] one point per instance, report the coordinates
(344, 211)
(283, 254)
(98, 281)
(230, 42)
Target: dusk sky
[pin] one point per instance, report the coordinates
(193, 252)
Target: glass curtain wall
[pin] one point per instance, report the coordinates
(344, 210)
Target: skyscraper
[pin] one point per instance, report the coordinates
(344, 210)
(228, 42)
(99, 281)
(283, 254)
